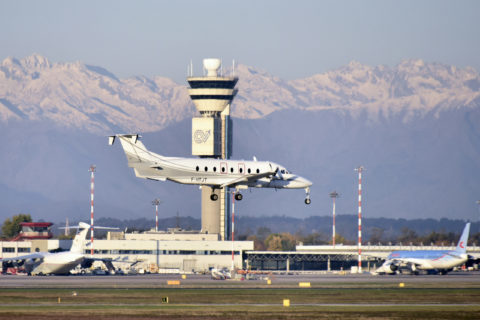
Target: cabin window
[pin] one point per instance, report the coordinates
(198, 168)
(231, 170)
(241, 170)
(206, 169)
(223, 169)
(214, 169)
(249, 170)
(258, 170)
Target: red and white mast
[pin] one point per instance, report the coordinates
(233, 232)
(360, 169)
(92, 189)
(333, 195)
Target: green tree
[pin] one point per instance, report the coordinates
(408, 236)
(280, 242)
(258, 244)
(315, 238)
(11, 227)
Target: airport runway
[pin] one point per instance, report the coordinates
(192, 281)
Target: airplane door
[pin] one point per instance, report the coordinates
(223, 167)
(241, 168)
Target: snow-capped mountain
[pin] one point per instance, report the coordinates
(76, 95)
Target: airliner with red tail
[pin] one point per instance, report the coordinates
(442, 261)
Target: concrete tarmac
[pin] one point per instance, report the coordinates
(204, 281)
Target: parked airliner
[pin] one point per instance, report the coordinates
(441, 260)
(215, 173)
(58, 263)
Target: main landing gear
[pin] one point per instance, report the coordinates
(238, 196)
(307, 197)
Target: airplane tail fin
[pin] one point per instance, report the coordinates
(462, 243)
(77, 244)
(134, 149)
(82, 230)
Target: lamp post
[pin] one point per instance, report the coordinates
(334, 195)
(156, 202)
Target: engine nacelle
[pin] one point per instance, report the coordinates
(393, 267)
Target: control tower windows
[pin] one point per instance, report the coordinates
(210, 84)
(211, 97)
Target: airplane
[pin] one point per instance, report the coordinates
(215, 173)
(221, 274)
(58, 263)
(442, 261)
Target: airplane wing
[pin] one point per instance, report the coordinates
(32, 256)
(248, 178)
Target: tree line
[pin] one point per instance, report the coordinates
(264, 238)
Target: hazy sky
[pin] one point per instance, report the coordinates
(290, 39)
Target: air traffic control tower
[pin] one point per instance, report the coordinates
(212, 137)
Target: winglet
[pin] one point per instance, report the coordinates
(462, 243)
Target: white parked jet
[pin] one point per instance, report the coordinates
(42, 263)
(215, 173)
(440, 260)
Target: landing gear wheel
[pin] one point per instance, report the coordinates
(214, 197)
(238, 196)
(307, 196)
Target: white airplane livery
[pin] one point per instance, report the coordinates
(58, 263)
(440, 260)
(215, 173)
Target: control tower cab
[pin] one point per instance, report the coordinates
(212, 95)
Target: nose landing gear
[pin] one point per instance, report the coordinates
(307, 197)
(238, 196)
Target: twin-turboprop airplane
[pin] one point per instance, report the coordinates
(215, 173)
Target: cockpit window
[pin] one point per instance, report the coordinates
(282, 171)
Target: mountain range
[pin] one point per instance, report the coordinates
(415, 127)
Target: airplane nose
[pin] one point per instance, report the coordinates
(300, 182)
(306, 182)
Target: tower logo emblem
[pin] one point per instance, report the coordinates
(201, 136)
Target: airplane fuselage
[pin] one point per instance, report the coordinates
(430, 259)
(216, 172)
(59, 263)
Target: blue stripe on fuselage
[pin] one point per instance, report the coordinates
(419, 254)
